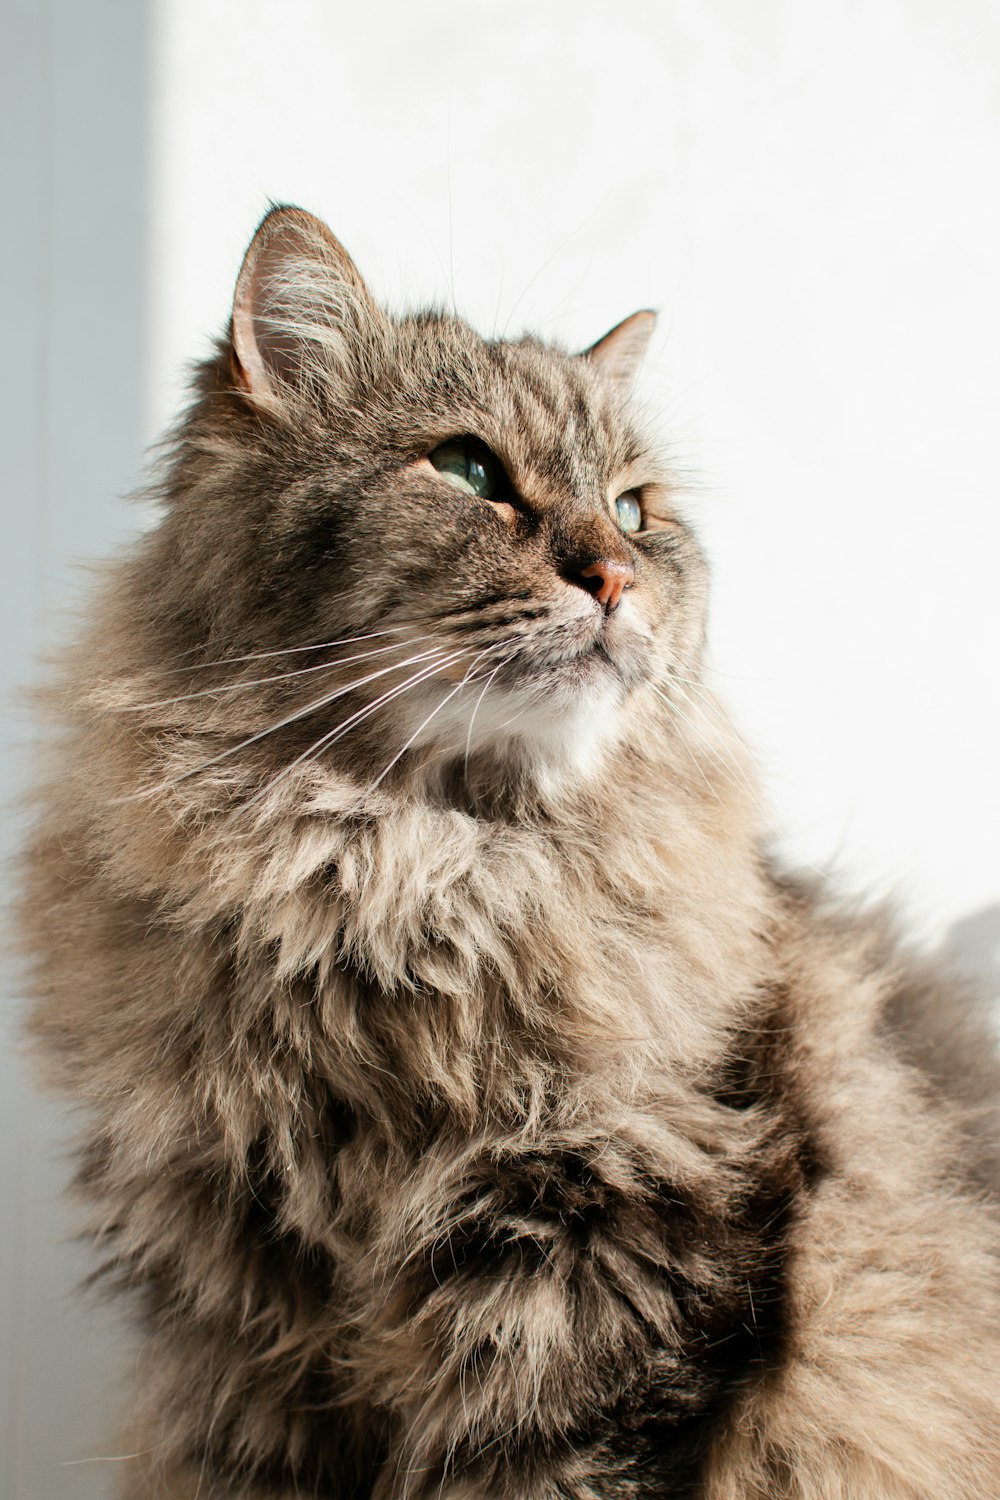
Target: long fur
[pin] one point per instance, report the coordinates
(477, 1112)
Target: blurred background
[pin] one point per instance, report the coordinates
(808, 193)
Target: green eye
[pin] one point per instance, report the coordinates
(469, 465)
(628, 511)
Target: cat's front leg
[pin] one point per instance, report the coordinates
(490, 1376)
(558, 1327)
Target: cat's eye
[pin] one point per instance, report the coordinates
(470, 466)
(628, 512)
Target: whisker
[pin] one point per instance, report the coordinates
(398, 691)
(693, 685)
(225, 661)
(545, 265)
(676, 709)
(420, 727)
(235, 687)
(486, 687)
(106, 1458)
(446, 699)
(252, 739)
(331, 736)
(472, 720)
(706, 704)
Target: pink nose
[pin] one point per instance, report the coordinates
(607, 580)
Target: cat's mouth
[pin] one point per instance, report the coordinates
(566, 666)
(600, 650)
(556, 690)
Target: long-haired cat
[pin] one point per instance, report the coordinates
(472, 1109)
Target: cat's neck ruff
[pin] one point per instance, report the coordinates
(556, 899)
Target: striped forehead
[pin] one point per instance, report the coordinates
(566, 434)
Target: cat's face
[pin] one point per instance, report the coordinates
(482, 525)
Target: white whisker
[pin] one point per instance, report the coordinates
(434, 712)
(475, 710)
(707, 703)
(235, 687)
(351, 722)
(226, 661)
(675, 708)
(252, 739)
(106, 1458)
(402, 751)
(486, 687)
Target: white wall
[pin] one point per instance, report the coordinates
(808, 192)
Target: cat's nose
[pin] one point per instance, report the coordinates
(607, 579)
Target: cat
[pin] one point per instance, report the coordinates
(473, 1109)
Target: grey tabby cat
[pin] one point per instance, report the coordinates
(473, 1111)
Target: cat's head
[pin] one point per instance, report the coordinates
(398, 542)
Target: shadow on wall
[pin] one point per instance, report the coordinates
(75, 142)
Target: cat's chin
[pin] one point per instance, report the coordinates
(555, 709)
(556, 723)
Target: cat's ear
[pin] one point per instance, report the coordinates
(300, 308)
(617, 356)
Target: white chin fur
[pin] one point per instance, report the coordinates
(563, 731)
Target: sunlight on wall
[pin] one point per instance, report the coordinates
(806, 194)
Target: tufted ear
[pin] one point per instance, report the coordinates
(617, 356)
(301, 309)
